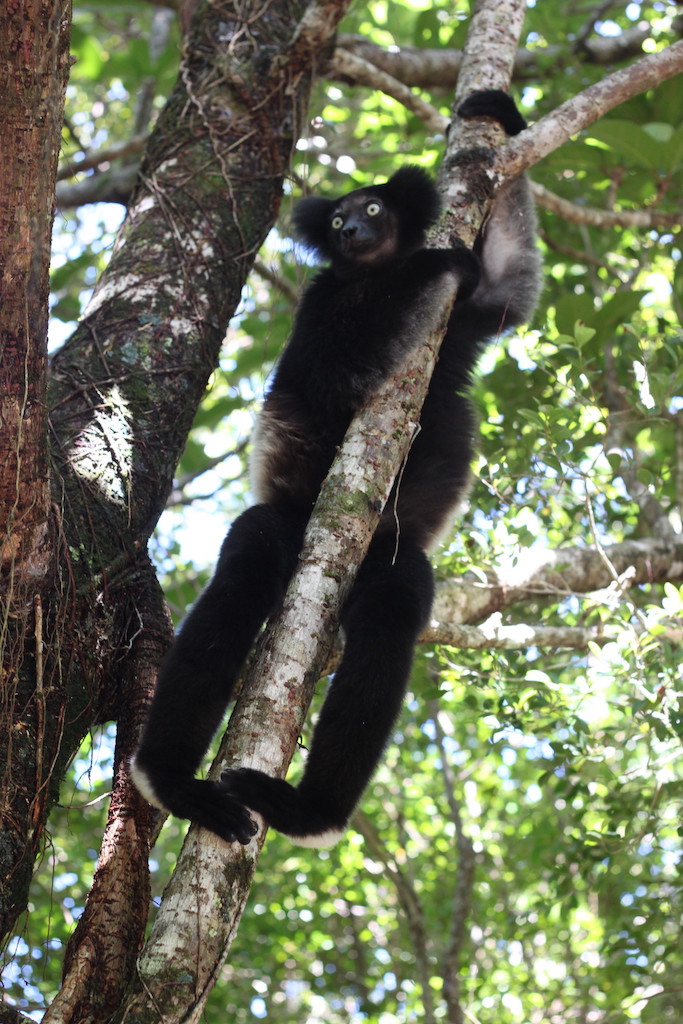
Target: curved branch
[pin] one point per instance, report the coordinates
(603, 218)
(355, 69)
(412, 908)
(95, 158)
(414, 67)
(290, 291)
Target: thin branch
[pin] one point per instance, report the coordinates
(95, 158)
(623, 276)
(464, 883)
(413, 66)
(359, 71)
(588, 26)
(620, 440)
(411, 905)
(678, 465)
(603, 218)
(290, 291)
(181, 482)
(432, 68)
(493, 636)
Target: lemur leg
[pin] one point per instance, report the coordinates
(196, 679)
(388, 607)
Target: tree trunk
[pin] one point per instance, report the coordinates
(34, 64)
(125, 387)
(124, 391)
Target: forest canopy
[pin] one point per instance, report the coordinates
(518, 855)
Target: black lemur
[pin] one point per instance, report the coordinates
(344, 341)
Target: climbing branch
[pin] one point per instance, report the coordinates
(588, 106)
(291, 654)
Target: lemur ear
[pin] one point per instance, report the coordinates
(310, 221)
(413, 196)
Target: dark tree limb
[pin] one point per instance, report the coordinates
(102, 951)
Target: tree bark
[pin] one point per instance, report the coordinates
(34, 63)
(33, 90)
(125, 387)
(102, 951)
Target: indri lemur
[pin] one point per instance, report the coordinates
(347, 337)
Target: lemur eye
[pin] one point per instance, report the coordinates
(337, 222)
(373, 208)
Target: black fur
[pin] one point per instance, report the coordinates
(496, 104)
(353, 326)
(409, 190)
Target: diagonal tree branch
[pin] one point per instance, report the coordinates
(268, 716)
(291, 655)
(588, 106)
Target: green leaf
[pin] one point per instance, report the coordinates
(628, 140)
